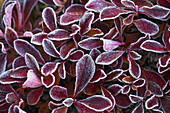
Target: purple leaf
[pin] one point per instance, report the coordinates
(125, 89)
(68, 102)
(20, 72)
(139, 109)
(128, 3)
(108, 58)
(59, 34)
(11, 97)
(17, 109)
(33, 81)
(85, 22)
(97, 5)
(3, 62)
(146, 26)
(117, 3)
(129, 19)
(66, 49)
(85, 69)
(90, 43)
(49, 18)
(134, 68)
(97, 103)
(135, 55)
(75, 29)
(49, 68)
(164, 61)
(109, 45)
(32, 63)
(107, 94)
(135, 98)
(58, 2)
(156, 11)
(34, 96)
(94, 53)
(155, 89)
(58, 93)
(91, 89)
(163, 69)
(109, 13)
(115, 89)
(139, 82)
(166, 36)
(5, 88)
(48, 2)
(10, 36)
(76, 55)
(22, 47)
(37, 39)
(94, 32)
(99, 75)
(122, 100)
(165, 104)
(48, 81)
(114, 74)
(49, 48)
(111, 34)
(62, 71)
(141, 3)
(154, 46)
(18, 62)
(151, 102)
(165, 3)
(72, 14)
(62, 109)
(27, 8)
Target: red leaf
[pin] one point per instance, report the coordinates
(58, 93)
(114, 74)
(59, 34)
(108, 58)
(117, 3)
(139, 82)
(151, 102)
(165, 3)
(85, 22)
(34, 96)
(68, 102)
(135, 98)
(99, 75)
(49, 68)
(135, 55)
(76, 55)
(72, 14)
(97, 103)
(141, 3)
(134, 68)
(94, 53)
(20, 72)
(122, 100)
(48, 2)
(107, 94)
(32, 63)
(3, 62)
(18, 62)
(85, 69)
(90, 43)
(10, 36)
(163, 69)
(62, 109)
(129, 19)
(166, 36)
(111, 34)
(75, 29)
(66, 49)
(94, 32)
(11, 97)
(128, 3)
(49, 18)
(165, 104)
(155, 89)
(110, 44)
(125, 89)
(146, 26)
(115, 89)
(48, 81)
(37, 39)
(164, 61)
(97, 5)
(62, 71)
(5, 88)
(22, 47)
(33, 81)
(27, 8)
(112, 12)
(139, 109)
(91, 89)
(58, 2)
(156, 11)
(49, 48)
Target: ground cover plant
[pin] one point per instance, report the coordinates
(84, 56)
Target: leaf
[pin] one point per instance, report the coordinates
(154, 46)
(117, 3)
(76, 55)
(109, 45)
(97, 103)
(62, 71)
(22, 47)
(111, 12)
(20, 72)
(164, 61)
(165, 104)
(5, 88)
(59, 34)
(122, 100)
(48, 2)
(49, 68)
(139, 109)
(94, 32)
(114, 74)
(126, 89)
(37, 38)
(166, 36)
(135, 98)
(111, 34)
(33, 81)
(48, 80)
(90, 43)
(146, 26)
(49, 48)
(97, 5)
(141, 3)
(27, 8)
(85, 22)
(18, 62)
(62, 109)
(10, 36)
(68, 102)
(99, 75)
(155, 89)
(49, 18)
(72, 14)
(75, 29)
(58, 2)
(165, 3)
(34, 96)
(91, 89)
(134, 68)
(128, 3)
(156, 11)
(3, 62)
(107, 58)
(139, 82)
(10, 97)
(94, 53)
(151, 102)
(135, 55)
(129, 19)
(115, 89)
(58, 93)
(85, 69)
